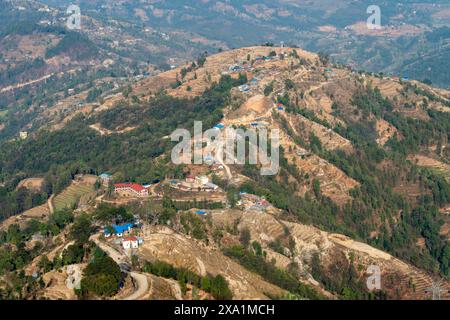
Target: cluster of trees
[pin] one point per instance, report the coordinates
(217, 286)
(193, 225)
(75, 45)
(255, 261)
(77, 252)
(419, 134)
(22, 70)
(56, 222)
(14, 201)
(108, 214)
(15, 258)
(102, 276)
(342, 278)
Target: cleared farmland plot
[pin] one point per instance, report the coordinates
(70, 196)
(39, 212)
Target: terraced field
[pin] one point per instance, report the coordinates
(71, 196)
(438, 167)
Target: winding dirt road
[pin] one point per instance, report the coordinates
(139, 279)
(142, 286)
(50, 204)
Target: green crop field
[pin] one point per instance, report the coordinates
(71, 195)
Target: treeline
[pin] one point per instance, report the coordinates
(101, 278)
(75, 45)
(341, 277)
(255, 261)
(14, 201)
(217, 286)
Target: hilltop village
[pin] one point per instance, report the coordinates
(222, 231)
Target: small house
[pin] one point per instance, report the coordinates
(216, 167)
(209, 160)
(303, 153)
(201, 180)
(244, 88)
(190, 179)
(105, 178)
(130, 243)
(210, 186)
(23, 135)
(235, 68)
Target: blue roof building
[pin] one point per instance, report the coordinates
(201, 212)
(119, 230)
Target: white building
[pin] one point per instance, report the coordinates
(23, 135)
(130, 243)
(201, 180)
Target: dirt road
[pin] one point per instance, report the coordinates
(139, 279)
(142, 286)
(219, 147)
(50, 204)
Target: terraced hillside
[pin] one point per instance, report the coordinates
(399, 279)
(351, 190)
(73, 194)
(80, 191)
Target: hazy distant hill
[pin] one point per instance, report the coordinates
(323, 25)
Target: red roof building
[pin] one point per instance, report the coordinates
(132, 188)
(132, 238)
(130, 243)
